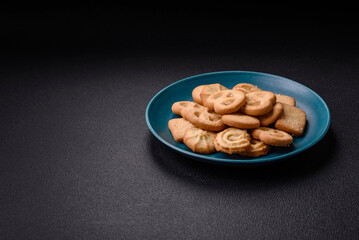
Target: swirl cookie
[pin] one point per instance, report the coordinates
(240, 120)
(292, 120)
(178, 127)
(272, 136)
(196, 94)
(259, 103)
(199, 141)
(272, 116)
(177, 107)
(256, 149)
(208, 90)
(226, 101)
(246, 88)
(204, 118)
(285, 99)
(232, 140)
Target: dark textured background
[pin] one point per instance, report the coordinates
(77, 160)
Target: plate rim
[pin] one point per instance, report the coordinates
(210, 159)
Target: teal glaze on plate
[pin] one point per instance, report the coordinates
(158, 113)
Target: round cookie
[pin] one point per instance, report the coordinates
(259, 103)
(272, 136)
(226, 101)
(196, 94)
(240, 120)
(208, 90)
(273, 115)
(204, 119)
(246, 88)
(256, 149)
(200, 141)
(232, 140)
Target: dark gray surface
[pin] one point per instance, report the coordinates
(77, 160)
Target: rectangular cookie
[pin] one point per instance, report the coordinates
(178, 127)
(285, 99)
(292, 120)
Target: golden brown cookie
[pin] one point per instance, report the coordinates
(177, 107)
(226, 101)
(199, 141)
(209, 90)
(272, 136)
(204, 118)
(259, 103)
(272, 116)
(246, 88)
(240, 120)
(256, 149)
(196, 94)
(232, 140)
(285, 99)
(178, 127)
(292, 120)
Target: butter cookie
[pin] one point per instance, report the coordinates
(178, 127)
(292, 120)
(272, 136)
(256, 149)
(200, 141)
(226, 101)
(246, 88)
(285, 99)
(177, 107)
(208, 90)
(272, 116)
(204, 118)
(259, 103)
(196, 94)
(232, 140)
(240, 120)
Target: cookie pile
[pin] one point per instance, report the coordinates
(244, 120)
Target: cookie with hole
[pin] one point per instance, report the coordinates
(246, 88)
(204, 119)
(273, 137)
(226, 101)
(259, 103)
(208, 90)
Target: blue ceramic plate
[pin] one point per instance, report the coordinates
(158, 113)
